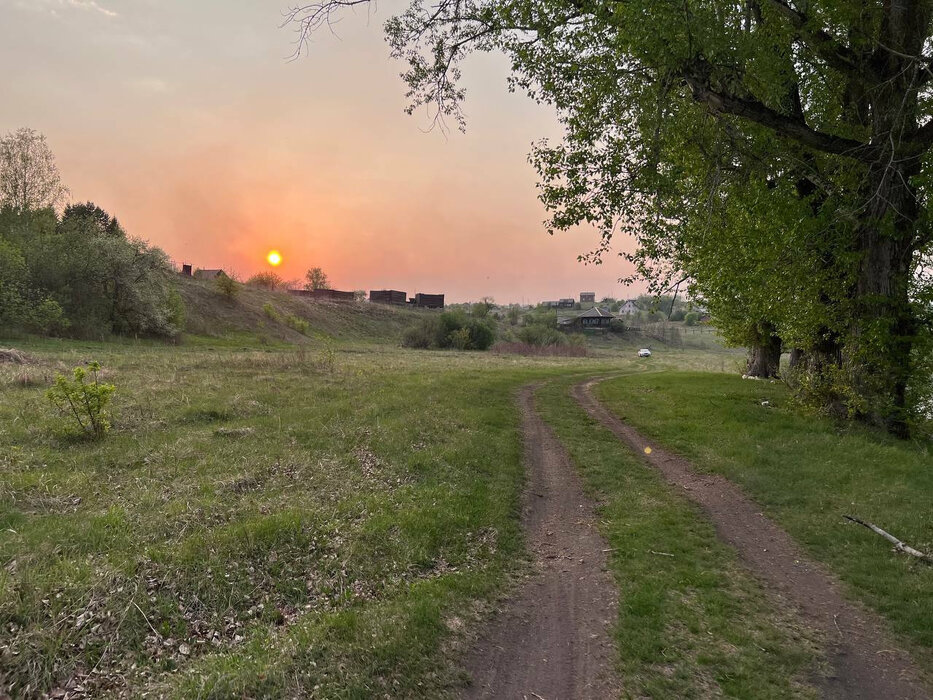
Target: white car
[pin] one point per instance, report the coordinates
(644, 352)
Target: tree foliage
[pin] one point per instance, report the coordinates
(83, 275)
(29, 178)
(773, 153)
(316, 279)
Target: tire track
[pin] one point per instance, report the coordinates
(552, 639)
(864, 660)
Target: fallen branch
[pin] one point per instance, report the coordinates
(898, 545)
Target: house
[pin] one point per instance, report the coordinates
(629, 308)
(428, 301)
(388, 296)
(566, 304)
(209, 274)
(587, 297)
(186, 270)
(589, 320)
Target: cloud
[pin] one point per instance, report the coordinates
(52, 7)
(91, 5)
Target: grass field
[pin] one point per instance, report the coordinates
(336, 518)
(274, 521)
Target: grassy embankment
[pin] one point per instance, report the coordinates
(806, 473)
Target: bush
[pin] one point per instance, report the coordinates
(422, 335)
(452, 329)
(227, 286)
(692, 319)
(265, 280)
(542, 336)
(84, 401)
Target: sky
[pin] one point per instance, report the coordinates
(189, 122)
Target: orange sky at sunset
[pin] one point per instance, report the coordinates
(187, 121)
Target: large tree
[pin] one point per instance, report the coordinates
(29, 178)
(835, 93)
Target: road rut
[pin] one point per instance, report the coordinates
(865, 662)
(552, 640)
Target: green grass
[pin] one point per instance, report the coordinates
(259, 522)
(694, 624)
(806, 473)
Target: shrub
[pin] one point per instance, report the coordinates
(227, 286)
(542, 336)
(269, 310)
(84, 401)
(452, 329)
(265, 280)
(422, 335)
(691, 319)
(296, 323)
(459, 339)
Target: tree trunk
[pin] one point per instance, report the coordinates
(764, 358)
(796, 358)
(878, 351)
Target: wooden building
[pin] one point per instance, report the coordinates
(587, 297)
(591, 319)
(388, 296)
(428, 301)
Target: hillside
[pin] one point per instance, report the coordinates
(209, 313)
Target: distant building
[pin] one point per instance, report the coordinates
(186, 270)
(589, 320)
(428, 301)
(209, 274)
(388, 296)
(587, 297)
(566, 304)
(629, 308)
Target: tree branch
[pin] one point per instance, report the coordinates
(824, 44)
(793, 128)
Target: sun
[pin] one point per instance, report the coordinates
(274, 258)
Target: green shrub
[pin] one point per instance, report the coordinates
(422, 335)
(691, 319)
(452, 329)
(85, 402)
(459, 339)
(542, 336)
(227, 286)
(269, 310)
(296, 323)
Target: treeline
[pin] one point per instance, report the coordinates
(77, 273)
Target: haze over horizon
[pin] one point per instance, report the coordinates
(190, 124)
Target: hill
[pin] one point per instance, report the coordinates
(277, 315)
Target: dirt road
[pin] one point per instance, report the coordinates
(865, 662)
(552, 639)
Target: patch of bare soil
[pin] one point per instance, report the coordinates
(865, 662)
(552, 638)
